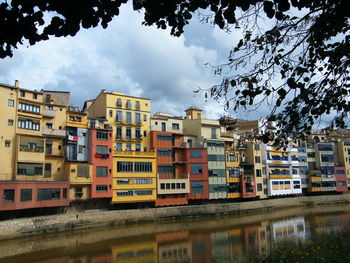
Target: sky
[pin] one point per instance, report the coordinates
(130, 58)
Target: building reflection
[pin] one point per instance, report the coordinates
(230, 244)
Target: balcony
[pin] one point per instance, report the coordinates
(54, 132)
(129, 138)
(280, 176)
(233, 195)
(49, 113)
(134, 154)
(328, 177)
(173, 186)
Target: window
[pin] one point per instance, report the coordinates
(257, 159)
(145, 117)
(124, 167)
(145, 133)
(137, 118)
(102, 135)
(28, 124)
(81, 148)
(341, 183)
(326, 158)
(325, 147)
(29, 169)
(128, 117)
(26, 195)
(143, 167)
(47, 172)
(164, 137)
(175, 126)
(119, 146)
(258, 172)
(259, 187)
(10, 122)
(35, 96)
(213, 133)
(143, 181)
(138, 147)
(64, 194)
(196, 154)
(110, 113)
(256, 147)
(163, 126)
(128, 133)
(119, 132)
(101, 149)
(101, 188)
(128, 147)
(311, 155)
(9, 195)
(119, 102)
(119, 116)
(233, 171)
(310, 145)
(29, 107)
(83, 171)
(165, 169)
(138, 133)
(215, 144)
(231, 157)
(166, 152)
(49, 125)
(48, 194)
(51, 108)
(128, 104)
(7, 143)
(217, 173)
(312, 165)
(101, 171)
(196, 168)
(216, 157)
(340, 171)
(11, 103)
(137, 105)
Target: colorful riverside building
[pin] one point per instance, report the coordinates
(25, 179)
(78, 169)
(207, 133)
(134, 165)
(100, 157)
(182, 166)
(240, 178)
(327, 164)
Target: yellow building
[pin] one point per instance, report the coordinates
(8, 100)
(134, 165)
(30, 145)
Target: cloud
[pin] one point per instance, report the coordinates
(126, 57)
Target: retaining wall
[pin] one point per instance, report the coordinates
(95, 218)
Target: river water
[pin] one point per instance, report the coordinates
(214, 239)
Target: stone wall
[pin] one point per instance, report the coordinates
(96, 218)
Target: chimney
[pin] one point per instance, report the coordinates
(16, 84)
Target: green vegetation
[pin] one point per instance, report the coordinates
(328, 248)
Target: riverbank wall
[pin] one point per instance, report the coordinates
(16, 228)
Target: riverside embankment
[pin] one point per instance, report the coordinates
(25, 227)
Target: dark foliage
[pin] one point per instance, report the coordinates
(299, 65)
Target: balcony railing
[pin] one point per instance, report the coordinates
(27, 148)
(54, 132)
(49, 113)
(134, 153)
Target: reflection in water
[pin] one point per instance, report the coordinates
(212, 242)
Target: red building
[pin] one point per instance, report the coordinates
(197, 168)
(15, 195)
(100, 156)
(340, 178)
